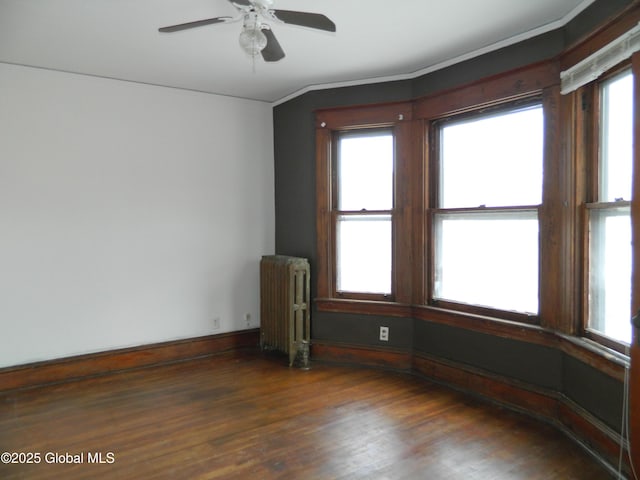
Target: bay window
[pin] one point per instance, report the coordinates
(504, 200)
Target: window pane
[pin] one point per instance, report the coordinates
(493, 160)
(364, 254)
(488, 259)
(616, 138)
(610, 273)
(365, 171)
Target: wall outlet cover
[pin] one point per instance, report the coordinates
(384, 334)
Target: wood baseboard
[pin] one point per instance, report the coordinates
(73, 368)
(547, 405)
(357, 355)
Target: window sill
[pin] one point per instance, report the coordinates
(367, 307)
(598, 349)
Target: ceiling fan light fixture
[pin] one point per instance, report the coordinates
(252, 40)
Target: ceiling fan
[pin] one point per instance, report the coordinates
(256, 36)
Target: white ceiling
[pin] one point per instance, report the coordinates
(375, 39)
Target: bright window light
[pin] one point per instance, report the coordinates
(488, 259)
(487, 253)
(365, 171)
(493, 160)
(610, 273)
(610, 218)
(365, 164)
(616, 139)
(364, 254)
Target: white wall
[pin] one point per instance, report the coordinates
(129, 214)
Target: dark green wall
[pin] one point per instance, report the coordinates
(521, 54)
(528, 362)
(294, 148)
(592, 17)
(363, 330)
(593, 390)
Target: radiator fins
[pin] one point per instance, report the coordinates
(284, 304)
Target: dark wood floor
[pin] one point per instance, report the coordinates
(244, 415)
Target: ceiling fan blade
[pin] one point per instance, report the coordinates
(273, 51)
(305, 19)
(199, 23)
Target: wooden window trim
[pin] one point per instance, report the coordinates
(590, 99)
(604, 340)
(336, 213)
(511, 102)
(329, 123)
(521, 83)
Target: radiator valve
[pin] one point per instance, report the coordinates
(302, 356)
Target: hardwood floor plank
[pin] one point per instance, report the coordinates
(245, 415)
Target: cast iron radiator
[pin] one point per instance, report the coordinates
(284, 304)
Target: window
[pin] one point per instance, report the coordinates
(609, 213)
(362, 206)
(363, 214)
(500, 199)
(485, 224)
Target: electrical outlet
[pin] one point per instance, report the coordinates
(384, 334)
(247, 318)
(216, 323)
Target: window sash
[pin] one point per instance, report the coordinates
(364, 253)
(491, 264)
(360, 155)
(609, 271)
(616, 138)
(475, 155)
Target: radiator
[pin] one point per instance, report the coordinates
(284, 304)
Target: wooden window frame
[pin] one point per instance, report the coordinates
(590, 100)
(336, 213)
(538, 82)
(329, 125)
(435, 207)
